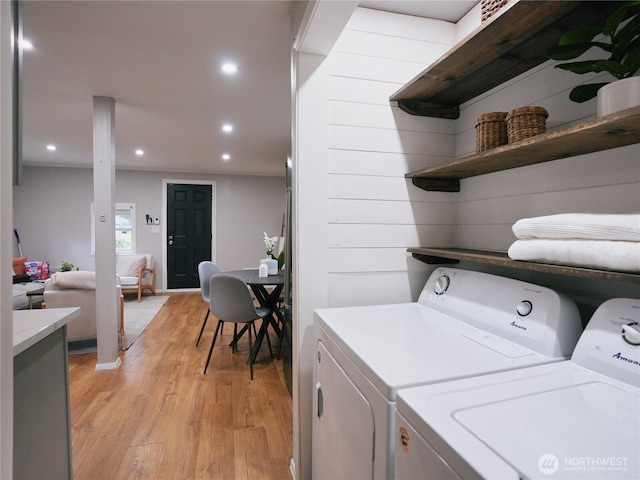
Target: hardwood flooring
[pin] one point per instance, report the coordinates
(158, 417)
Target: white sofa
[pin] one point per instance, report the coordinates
(78, 289)
(136, 273)
(20, 298)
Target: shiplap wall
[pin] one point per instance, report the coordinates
(602, 182)
(374, 213)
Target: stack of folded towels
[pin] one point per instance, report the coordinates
(603, 241)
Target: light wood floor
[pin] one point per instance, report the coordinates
(158, 417)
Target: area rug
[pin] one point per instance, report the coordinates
(137, 317)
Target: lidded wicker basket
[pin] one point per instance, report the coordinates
(491, 130)
(489, 7)
(525, 122)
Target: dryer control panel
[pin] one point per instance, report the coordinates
(611, 342)
(631, 333)
(531, 315)
(441, 284)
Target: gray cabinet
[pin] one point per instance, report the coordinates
(41, 414)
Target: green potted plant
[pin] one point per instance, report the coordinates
(618, 37)
(66, 266)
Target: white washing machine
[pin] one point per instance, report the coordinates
(577, 419)
(464, 324)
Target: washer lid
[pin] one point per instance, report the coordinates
(590, 430)
(544, 415)
(403, 345)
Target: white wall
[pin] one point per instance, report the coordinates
(53, 217)
(603, 182)
(356, 212)
(6, 177)
(374, 212)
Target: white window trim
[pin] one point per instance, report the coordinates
(118, 206)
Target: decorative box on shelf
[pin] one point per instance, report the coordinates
(491, 130)
(525, 122)
(489, 7)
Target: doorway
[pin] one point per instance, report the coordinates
(188, 231)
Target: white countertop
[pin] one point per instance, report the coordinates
(31, 326)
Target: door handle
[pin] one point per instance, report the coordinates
(170, 239)
(320, 400)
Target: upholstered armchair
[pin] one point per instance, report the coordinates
(136, 272)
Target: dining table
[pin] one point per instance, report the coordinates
(267, 297)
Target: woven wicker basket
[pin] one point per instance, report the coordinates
(491, 130)
(489, 7)
(525, 122)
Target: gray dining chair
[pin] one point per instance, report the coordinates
(230, 301)
(206, 270)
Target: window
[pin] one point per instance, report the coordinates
(125, 222)
(124, 228)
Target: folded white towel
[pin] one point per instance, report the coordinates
(75, 279)
(581, 225)
(601, 254)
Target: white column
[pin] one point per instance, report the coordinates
(6, 242)
(104, 169)
(319, 26)
(311, 251)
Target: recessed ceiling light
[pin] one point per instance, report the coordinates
(139, 152)
(26, 44)
(227, 127)
(51, 147)
(229, 68)
(226, 156)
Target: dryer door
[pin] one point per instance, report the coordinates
(343, 429)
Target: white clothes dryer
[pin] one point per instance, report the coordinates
(576, 419)
(464, 324)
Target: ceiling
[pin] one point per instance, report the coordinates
(448, 10)
(161, 63)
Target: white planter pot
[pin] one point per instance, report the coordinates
(619, 95)
(272, 265)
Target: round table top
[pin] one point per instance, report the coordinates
(251, 277)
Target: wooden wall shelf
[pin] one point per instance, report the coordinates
(611, 131)
(455, 255)
(499, 50)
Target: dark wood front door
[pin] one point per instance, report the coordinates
(188, 232)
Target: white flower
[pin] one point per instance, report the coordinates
(269, 243)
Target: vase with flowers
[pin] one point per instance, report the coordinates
(271, 260)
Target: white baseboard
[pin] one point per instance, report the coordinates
(109, 366)
(292, 468)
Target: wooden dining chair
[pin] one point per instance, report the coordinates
(230, 301)
(206, 270)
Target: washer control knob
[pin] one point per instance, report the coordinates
(524, 308)
(631, 333)
(441, 284)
